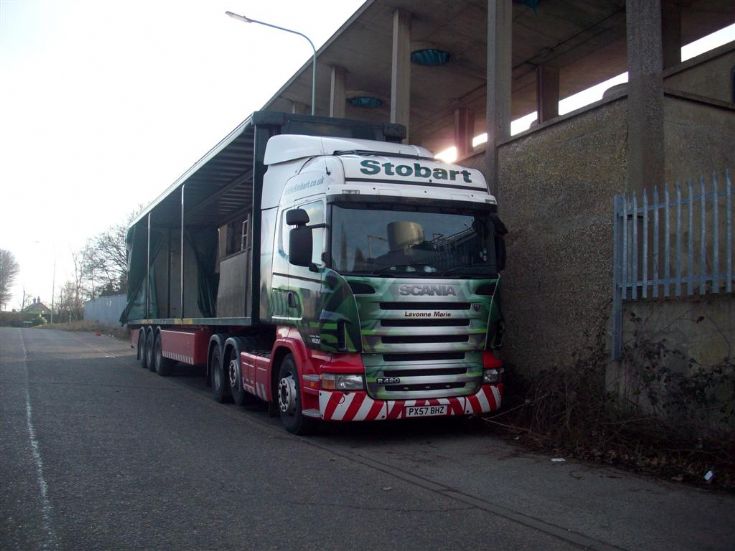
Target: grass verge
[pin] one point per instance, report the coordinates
(90, 326)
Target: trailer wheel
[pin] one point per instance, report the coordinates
(141, 348)
(149, 357)
(234, 375)
(163, 366)
(220, 387)
(289, 399)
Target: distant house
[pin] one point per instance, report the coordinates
(37, 307)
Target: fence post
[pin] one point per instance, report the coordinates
(715, 237)
(667, 242)
(656, 206)
(644, 255)
(702, 239)
(728, 226)
(690, 240)
(634, 247)
(617, 313)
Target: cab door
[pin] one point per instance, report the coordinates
(296, 289)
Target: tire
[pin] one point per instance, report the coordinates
(234, 376)
(220, 388)
(162, 366)
(288, 398)
(149, 338)
(141, 348)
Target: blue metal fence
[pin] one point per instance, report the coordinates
(105, 310)
(671, 243)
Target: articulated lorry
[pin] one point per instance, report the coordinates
(324, 267)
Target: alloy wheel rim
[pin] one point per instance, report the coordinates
(233, 372)
(287, 395)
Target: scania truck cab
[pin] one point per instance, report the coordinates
(376, 292)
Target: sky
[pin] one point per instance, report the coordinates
(103, 104)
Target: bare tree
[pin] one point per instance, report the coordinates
(69, 305)
(104, 263)
(8, 271)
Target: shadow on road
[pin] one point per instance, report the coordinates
(411, 430)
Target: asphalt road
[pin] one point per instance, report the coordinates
(97, 453)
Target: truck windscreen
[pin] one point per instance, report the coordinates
(420, 242)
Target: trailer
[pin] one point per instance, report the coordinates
(324, 267)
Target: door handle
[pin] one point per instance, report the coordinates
(292, 299)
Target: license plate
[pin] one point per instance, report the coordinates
(424, 411)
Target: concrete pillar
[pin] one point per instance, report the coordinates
(464, 131)
(499, 78)
(671, 32)
(547, 93)
(337, 96)
(299, 108)
(400, 81)
(645, 94)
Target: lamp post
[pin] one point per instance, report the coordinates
(313, 65)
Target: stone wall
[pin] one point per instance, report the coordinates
(699, 138)
(709, 75)
(557, 184)
(555, 196)
(678, 361)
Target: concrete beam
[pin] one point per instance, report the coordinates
(400, 81)
(499, 80)
(337, 97)
(464, 131)
(671, 32)
(547, 92)
(645, 95)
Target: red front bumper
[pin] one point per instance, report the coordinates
(358, 406)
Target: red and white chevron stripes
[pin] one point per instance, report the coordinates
(358, 406)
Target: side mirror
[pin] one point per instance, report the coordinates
(297, 217)
(500, 253)
(500, 232)
(300, 244)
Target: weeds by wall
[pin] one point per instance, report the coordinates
(656, 418)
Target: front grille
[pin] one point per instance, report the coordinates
(425, 323)
(424, 372)
(419, 339)
(432, 386)
(417, 349)
(424, 305)
(437, 357)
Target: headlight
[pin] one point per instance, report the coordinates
(492, 376)
(330, 381)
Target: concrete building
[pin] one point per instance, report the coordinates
(452, 70)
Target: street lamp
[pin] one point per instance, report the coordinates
(313, 65)
(53, 290)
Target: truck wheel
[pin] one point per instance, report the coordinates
(141, 348)
(289, 399)
(149, 359)
(234, 377)
(163, 366)
(220, 387)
